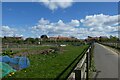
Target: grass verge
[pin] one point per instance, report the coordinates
(92, 68)
(51, 65)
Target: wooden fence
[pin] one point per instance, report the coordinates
(80, 70)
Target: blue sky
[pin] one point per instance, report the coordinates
(26, 19)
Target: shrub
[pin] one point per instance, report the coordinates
(8, 52)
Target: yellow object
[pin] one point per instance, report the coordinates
(12, 73)
(9, 75)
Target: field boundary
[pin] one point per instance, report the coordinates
(82, 64)
(81, 71)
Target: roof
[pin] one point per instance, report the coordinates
(61, 38)
(103, 37)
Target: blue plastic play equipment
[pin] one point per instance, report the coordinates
(6, 59)
(0, 58)
(17, 63)
(24, 62)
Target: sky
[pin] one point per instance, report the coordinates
(77, 19)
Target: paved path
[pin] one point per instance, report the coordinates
(106, 62)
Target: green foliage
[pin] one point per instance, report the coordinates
(8, 52)
(110, 39)
(113, 38)
(44, 40)
(44, 36)
(29, 40)
(19, 41)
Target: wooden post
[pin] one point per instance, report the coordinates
(78, 74)
(90, 53)
(87, 65)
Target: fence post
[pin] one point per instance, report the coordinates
(90, 53)
(87, 65)
(77, 74)
(90, 57)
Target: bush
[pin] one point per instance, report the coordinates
(8, 52)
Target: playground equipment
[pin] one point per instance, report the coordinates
(8, 64)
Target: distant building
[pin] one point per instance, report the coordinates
(92, 39)
(62, 38)
(103, 37)
(53, 38)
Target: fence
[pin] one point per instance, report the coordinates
(112, 44)
(80, 70)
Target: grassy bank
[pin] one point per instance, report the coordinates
(51, 65)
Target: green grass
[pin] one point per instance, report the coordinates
(50, 66)
(35, 48)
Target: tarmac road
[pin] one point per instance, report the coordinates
(106, 62)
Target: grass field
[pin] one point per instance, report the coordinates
(51, 65)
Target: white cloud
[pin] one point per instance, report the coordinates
(57, 28)
(53, 4)
(92, 25)
(43, 21)
(100, 20)
(60, 23)
(8, 31)
(101, 23)
(75, 23)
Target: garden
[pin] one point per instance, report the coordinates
(50, 64)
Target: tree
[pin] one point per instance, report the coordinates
(30, 40)
(113, 38)
(44, 37)
(37, 41)
(19, 41)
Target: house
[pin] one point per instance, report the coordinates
(62, 38)
(103, 37)
(92, 39)
(52, 38)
